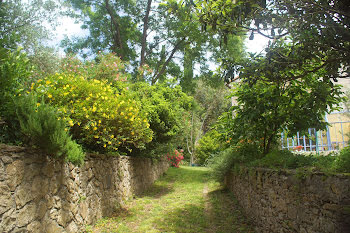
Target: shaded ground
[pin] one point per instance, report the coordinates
(183, 200)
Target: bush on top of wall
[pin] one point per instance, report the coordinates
(99, 118)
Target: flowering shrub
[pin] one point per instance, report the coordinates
(99, 118)
(175, 158)
(106, 67)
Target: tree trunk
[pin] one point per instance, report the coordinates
(161, 72)
(144, 34)
(116, 33)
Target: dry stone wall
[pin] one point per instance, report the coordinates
(285, 201)
(40, 194)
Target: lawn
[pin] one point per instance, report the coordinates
(183, 200)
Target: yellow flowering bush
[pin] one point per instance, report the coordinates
(99, 118)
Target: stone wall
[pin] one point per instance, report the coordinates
(286, 201)
(40, 194)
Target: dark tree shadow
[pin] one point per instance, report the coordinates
(227, 215)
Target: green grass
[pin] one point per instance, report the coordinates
(176, 203)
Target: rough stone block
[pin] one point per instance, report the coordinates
(15, 172)
(34, 227)
(26, 215)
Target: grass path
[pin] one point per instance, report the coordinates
(183, 200)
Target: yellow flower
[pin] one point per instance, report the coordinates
(95, 128)
(112, 136)
(49, 95)
(122, 114)
(65, 129)
(48, 82)
(109, 142)
(132, 133)
(96, 136)
(37, 104)
(104, 145)
(71, 123)
(99, 121)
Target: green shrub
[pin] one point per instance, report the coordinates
(209, 144)
(226, 160)
(100, 119)
(342, 161)
(164, 107)
(15, 69)
(221, 163)
(283, 159)
(42, 129)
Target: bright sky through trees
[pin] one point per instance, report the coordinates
(70, 28)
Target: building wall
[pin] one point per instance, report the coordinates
(41, 194)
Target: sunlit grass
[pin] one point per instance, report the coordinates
(176, 203)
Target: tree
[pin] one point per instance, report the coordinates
(163, 33)
(212, 102)
(272, 103)
(319, 31)
(111, 25)
(21, 23)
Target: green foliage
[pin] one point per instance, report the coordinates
(41, 127)
(209, 144)
(321, 35)
(231, 157)
(15, 70)
(164, 107)
(342, 162)
(222, 163)
(112, 28)
(284, 159)
(247, 155)
(265, 107)
(100, 119)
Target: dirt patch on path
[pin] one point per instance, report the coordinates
(208, 210)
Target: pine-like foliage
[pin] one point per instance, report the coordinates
(41, 127)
